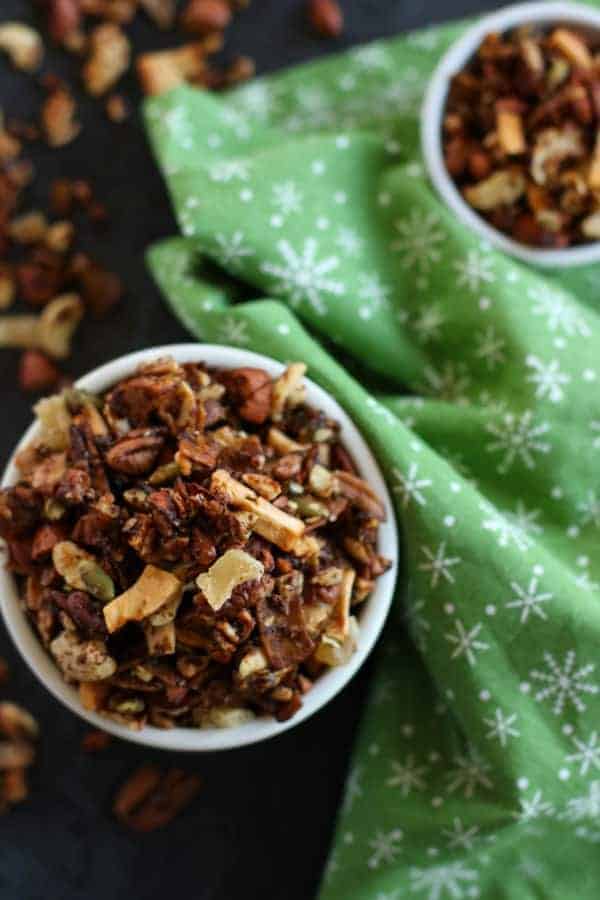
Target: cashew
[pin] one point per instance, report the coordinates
(23, 45)
(82, 660)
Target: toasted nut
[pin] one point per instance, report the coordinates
(59, 118)
(235, 567)
(16, 722)
(282, 444)
(29, 228)
(252, 389)
(110, 53)
(503, 187)
(143, 781)
(15, 755)
(23, 44)
(57, 325)
(117, 108)
(149, 801)
(570, 45)
(532, 56)
(241, 69)
(332, 652)
(93, 694)
(82, 660)
(159, 72)
(59, 236)
(7, 287)
(285, 388)
(253, 661)
(160, 639)
(162, 12)
(135, 454)
(593, 178)
(226, 717)
(64, 17)
(326, 17)
(95, 741)
(552, 147)
(271, 523)
(81, 571)
(359, 492)
(262, 484)
(54, 420)
(321, 481)
(36, 372)
(205, 16)
(509, 126)
(14, 786)
(590, 226)
(153, 589)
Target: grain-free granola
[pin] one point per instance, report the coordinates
(192, 546)
(522, 134)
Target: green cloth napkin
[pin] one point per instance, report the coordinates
(475, 379)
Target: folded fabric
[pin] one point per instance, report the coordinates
(474, 378)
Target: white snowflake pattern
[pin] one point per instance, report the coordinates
(531, 808)
(302, 276)
(373, 293)
(407, 775)
(371, 57)
(255, 99)
(419, 241)
(585, 807)
(459, 837)
(595, 427)
(235, 120)
(490, 348)
(470, 772)
(564, 683)
(530, 867)
(525, 519)
(517, 438)
(474, 270)
(451, 383)
(511, 528)
(410, 487)
(466, 642)
(404, 95)
(587, 754)
(385, 847)
(418, 625)
(528, 600)
(560, 312)
(548, 378)
(348, 241)
(589, 509)
(234, 331)
(287, 198)
(229, 169)
(502, 727)
(447, 880)
(231, 249)
(353, 788)
(438, 564)
(591, 835)
(428, 323)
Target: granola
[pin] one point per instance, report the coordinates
(521, 134)
(192, 546)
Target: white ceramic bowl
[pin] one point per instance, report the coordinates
(432, 113)
(372, 615)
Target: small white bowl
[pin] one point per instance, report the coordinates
(372, 615)
(432, 114)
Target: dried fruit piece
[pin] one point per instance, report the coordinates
(23, 45)
(153, 589)
(235, 567)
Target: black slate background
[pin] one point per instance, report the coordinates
(262, 826)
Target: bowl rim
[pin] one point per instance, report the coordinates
(373, 613)
(432, 111)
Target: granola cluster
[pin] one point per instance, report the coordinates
(522, 134)
(18, 735)
(192, 545)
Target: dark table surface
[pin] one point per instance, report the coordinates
(261, 828)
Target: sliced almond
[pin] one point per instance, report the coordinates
(282, 444)
(286, 386)
(262, 484)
